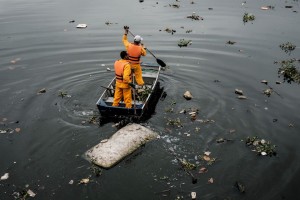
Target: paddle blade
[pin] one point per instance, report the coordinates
(160, 62)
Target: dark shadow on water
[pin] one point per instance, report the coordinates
(122, 121)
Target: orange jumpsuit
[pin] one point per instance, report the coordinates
(123, 77)
(135, 52)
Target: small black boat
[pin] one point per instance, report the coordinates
(141, 99)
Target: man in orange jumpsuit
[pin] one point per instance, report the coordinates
(135, 50)
(123, 81)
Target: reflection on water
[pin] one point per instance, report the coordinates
(44, 135)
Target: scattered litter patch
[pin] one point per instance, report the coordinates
(261, 146)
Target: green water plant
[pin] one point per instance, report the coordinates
(289, 71)
(248, 17)
(287, 47)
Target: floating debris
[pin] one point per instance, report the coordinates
(264, 82)
(172, 31)
(187, 95)
(84, 181)
(210, 181)
(31, 193)
(267, 7)
(287, 47)
(203, 170)
(268, 92)
(189, 31)
(222, 140)
(72, 21)
(108, 23)
(248, 17)
(41, 91)
(63, 94)
(289, 72)
(174, 5)
(242, 97)
(261, 146)
(230, 42)
(4, 177)
(195, 17)
(81, 26)
(184, 43)
(241, 187)
(238, 91)
(193, 195)
(174, 122)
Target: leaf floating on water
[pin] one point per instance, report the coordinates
(242, 97)
(17, 130)
(210, 180)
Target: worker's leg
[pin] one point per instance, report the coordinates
(127, 97)
(138, 74)
(117, 96)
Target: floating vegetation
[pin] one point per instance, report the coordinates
(195, 17)
(230, 42)
(184, 43)
(188, 31)
(174, 122)
(261, 146)
(287, 47)
(187, 165)
(248, 17)
(288, 71)
(62, 94)
(172, 31)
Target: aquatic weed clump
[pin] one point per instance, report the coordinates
(261, 146)
(287, 47)
(248, 17)
(289, 71)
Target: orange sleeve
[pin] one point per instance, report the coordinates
(125, 41)
(144, 52)
(127, 74)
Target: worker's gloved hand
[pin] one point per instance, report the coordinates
(132, 85)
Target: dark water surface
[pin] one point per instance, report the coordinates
(39, 48)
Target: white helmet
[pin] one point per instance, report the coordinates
(137, 38)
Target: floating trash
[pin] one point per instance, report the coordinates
(184, 43)
(41, 91)
(268, 92)
(187, 95)
(4, 177)
(238, 91)
(81, 26)
(261, 146)
(242, 97)
(172, 31)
